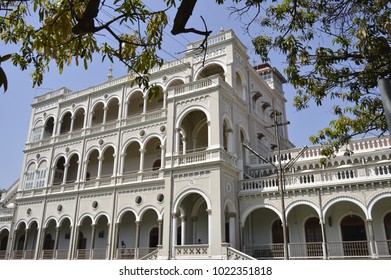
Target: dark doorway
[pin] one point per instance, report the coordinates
(313, 237)
(153, 237)
(354, 236)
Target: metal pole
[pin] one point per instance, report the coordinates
(281, 187)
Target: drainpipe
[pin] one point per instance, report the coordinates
(169, 216)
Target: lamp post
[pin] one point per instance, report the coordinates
(281, 173)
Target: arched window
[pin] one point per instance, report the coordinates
(66, 123)
(59, 171)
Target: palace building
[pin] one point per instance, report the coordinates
(110, 172)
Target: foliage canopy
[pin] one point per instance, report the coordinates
(335, 49)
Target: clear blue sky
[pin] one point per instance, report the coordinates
(15, 106)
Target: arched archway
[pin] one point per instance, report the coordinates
(354, 236)
(131, 158)
(108, 162)
(313, 237)
(65, 122)
(4, 236)
(92, 165)
(194, 132)
(127, 235)
(48, 128)
(155, 97)
(78, 119)
(152, 155)
(210, 70)
(97, 114)
(135, 104)
(193, 218)
(100, 239)
(84, 238)
(58, 177)
(112, 111)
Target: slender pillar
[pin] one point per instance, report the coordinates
(14, 243)
(25, 239)
(162, 156)
(183, 229)
(100, 162)
(232, 230)
(137, 241)
(76, 243)
(56, 243)
(209, 211)
(72, 124)
(71, 242)
(160, 235)
(105, 109)
(177, 141)
(39, 247)
(371, 238)
(116, 240)
(145, 97)
(142, 155)
(64, 178)
(174, 232)
(184, 144)
(93, 227)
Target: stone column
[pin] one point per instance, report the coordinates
(105, 109)
(162, 156)
(40, 241)
(64, 178)
(137, 241)
(115, 241)
(76, 243)
(232, 229)
(142, 153)
(56, 243)
(209, 211)
(160, 226)
(371, 238)
(93, 227)
(72, 124)
(174, 232)
(100, 161)
(183, 229)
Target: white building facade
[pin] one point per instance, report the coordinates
(110, 172)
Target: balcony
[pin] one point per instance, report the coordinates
(201, 156)
(319, 178)
(318, 250)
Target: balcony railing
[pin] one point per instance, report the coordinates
(191, 251)
(3, 254)
(202, 156)
(317, 177)
(314, 153)
(133, 253)
(317, 250)
(309, 250)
